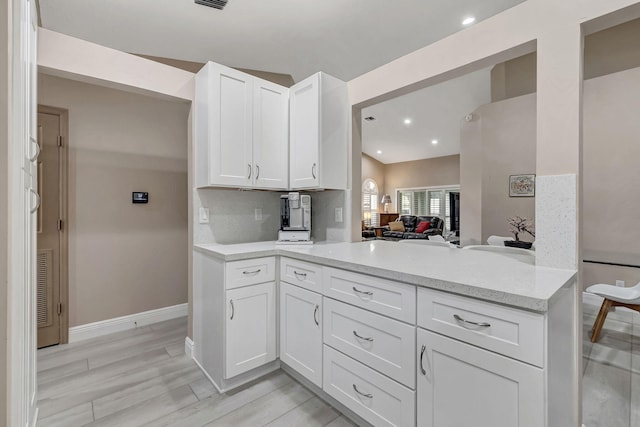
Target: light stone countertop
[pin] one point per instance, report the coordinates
(504, 279)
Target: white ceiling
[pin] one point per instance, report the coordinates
(436, 112)
(345, 38)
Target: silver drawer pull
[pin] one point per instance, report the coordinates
(370, 396)
(362, 292)
(299, 275)
(249, 177)
(252, 272)
(315, 312)
(313, 171)
(480, 324)
(362, 338)
(233, 309)
(424, 347)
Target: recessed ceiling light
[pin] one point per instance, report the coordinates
(434, 141)
(469, 20)
(379, 151)
(407, 121)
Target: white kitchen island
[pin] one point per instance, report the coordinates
(395, 334)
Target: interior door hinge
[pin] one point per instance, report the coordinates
(59, 309)
(60, 141)
(60, 224)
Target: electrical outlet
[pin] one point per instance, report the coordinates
(203, 215)
(338, 214)
(620, 283)
(257, 212)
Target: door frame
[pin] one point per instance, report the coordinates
(63, 115)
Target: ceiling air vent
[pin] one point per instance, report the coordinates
(370, 118)
(216, 4)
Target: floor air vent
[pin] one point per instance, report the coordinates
(216, 4)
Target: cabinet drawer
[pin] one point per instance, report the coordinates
(385, 344)
(514, 333)
(250, 272)
(376, 398)
(387, 297)
(300, 273)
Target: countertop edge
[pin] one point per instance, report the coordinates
(499, 297)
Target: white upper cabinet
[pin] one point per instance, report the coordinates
(240, 136)
(319, 133)
(270, 135)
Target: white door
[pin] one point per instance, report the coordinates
(301, 331)
(230, 144)
(462, 385)
(250, 333)
(304, 134)
(270, 135)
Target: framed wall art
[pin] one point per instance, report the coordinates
(522, 185)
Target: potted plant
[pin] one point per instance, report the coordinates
(519, 225)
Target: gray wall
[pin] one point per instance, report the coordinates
(123, 258)
(4, 202)
(499, 142)
(605, 52)
(611, 198)
(438, 171)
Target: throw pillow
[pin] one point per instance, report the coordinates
(396, 226)
(423, 226)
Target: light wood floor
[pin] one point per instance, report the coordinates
(142, 377)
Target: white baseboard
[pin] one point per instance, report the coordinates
(188, 347)
(131, 321)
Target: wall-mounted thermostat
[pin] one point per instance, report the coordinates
(140, 197)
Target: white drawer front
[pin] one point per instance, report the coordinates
(250, 272)
(374, 397)
(514, 333)
(385, 344)
(393, 299)
(300, 273)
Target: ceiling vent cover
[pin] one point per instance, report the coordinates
(216, 4)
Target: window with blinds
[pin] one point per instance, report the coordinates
(370, 203)
(428, 202)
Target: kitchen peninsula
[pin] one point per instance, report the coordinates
(396, 334)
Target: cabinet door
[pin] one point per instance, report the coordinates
(250, 333)
(304, 134)
(230, 127)
(301, 331)
(462, 385)
(270, 135)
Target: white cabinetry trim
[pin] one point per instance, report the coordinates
(131, 321)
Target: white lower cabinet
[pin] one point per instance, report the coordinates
(462, 385)
(301, 331)
(373, 396)
(250, 328)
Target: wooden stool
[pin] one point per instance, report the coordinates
(614, 296)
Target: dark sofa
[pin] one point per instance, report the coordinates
(411, 222)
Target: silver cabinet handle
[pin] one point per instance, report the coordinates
(424, 347)
(252, 272)
(313, 171)
(362, 338)
(299, 275)
(361, 292)
(33, 142)
(480, 324)
(249, 177)
(35, 193)
(315, 312)
(257, 171)
(233, 309)
(370, 396)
